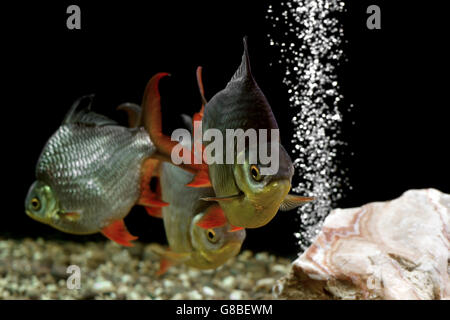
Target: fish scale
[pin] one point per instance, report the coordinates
(102, 181)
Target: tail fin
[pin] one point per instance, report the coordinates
(152, 121)
(151, 116)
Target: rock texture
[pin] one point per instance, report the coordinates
(397, 249)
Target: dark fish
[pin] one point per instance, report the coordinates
(248, 198)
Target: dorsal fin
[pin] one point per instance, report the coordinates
(134, 112)
(200, 86)
(187, 121)
(83, 114)
(74, 111)
(244, 71)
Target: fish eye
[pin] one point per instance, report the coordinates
(35, 204)
(256, 174)
(211, 235)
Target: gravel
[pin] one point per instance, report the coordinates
(37, 269)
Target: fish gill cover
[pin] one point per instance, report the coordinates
(308, 35)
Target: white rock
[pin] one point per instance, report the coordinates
(178, 296)
(158, 291)
(279, 268)
(103, 286)
(397, 249)
(194, 295)
(229, 282)
(183, 276)
(126, 278)
(266, 283)
(208, 291)
(238, 295)
(123, 290)
(168, 283)
(262, 256)
(134, 296)
(193, 273)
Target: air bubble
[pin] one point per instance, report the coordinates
(313, 90)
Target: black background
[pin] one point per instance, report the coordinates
(395, 77)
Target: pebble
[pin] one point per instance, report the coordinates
(168, 283)
(103, 286)
(238, 295)
(134, 296)
(261, 256)
(266, 283)
(178, 296)
(194, 295)
(33, 269)
(59, 272)
(126, 278)
(208, 291)
(228, 282)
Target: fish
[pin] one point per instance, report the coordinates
(92, 170)
(195, 246)
(248, 198)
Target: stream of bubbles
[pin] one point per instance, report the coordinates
(308, 35)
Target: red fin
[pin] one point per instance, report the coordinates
(234, 228)
(149, 198)
(151, 119)
(154, 212)
(151, 202)
(213, 218)
(164, 265)
(168, 257)
(151, 116)
(200, 180)
(117, 231)
(198, 116)
(72, 216)
(200, 87)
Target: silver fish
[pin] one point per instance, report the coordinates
(92, 171)
(203, 248)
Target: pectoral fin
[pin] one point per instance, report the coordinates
(152, 202)
(213, 218)
(164, 265)
(71, 216)
(154, 212)
(200, 180)
(117, 231)
(147, 197)
(234, 229)
(218, 199)
(168, 257)
(292, 201)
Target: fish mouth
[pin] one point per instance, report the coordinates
(227, 251)
(34, 217)
(239, 195)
